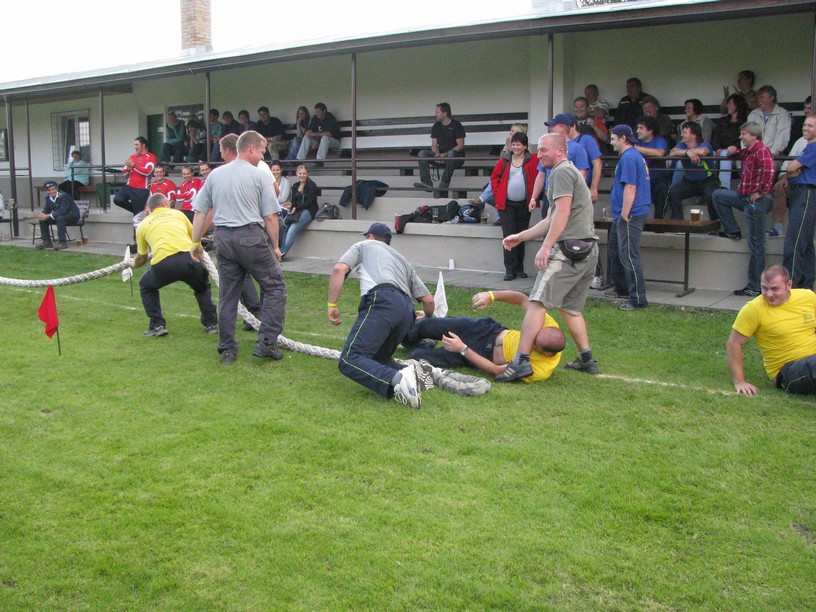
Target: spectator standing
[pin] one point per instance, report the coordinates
(783, 322)
(174, 134)
(167, 235)
(630, 201)
(744, 88)
(60, 210)
(753, 197)
(139, 169)
(77, 174)
(727, 134)
(272, 129)
(799, 256)
(698, 176)
(246, 233)
(775, 120)
(323, 134)
(447, 148)
(385, 315)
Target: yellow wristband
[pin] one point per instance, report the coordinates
(492, 297)
(196, 244)
(332, 305)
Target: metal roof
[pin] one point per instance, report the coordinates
(603, 17)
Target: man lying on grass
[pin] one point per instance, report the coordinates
(484, 343)
(783, 321)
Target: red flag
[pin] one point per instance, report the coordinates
(48, 312)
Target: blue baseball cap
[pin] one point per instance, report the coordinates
(378, 229)
(561, 119)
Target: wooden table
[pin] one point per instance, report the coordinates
(680, 226)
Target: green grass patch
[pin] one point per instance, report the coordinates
(139, 473)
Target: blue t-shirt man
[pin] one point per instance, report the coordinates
(592, 150)
(657, 167)
(808, 161)
(709, 165)
(631, 170)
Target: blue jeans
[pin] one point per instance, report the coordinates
(799, 256)
(241, 251)
(478, 334)
(451, 164)
(294, 147)
(326, 144)
(384, 317)
(798, 376)
(756, 213)
(625, 270)
(294, 229)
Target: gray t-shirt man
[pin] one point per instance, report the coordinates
(377, 264)
(243, 192)
(565, 180)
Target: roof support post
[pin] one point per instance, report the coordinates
(12, 165)
(104, 203)
(207, 103)
(550, 68)
(28, 144)
(354, 136)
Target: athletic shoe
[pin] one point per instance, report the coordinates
(631, 306)
(211, 330)
(424, 374)
(611, 293)
(476, 202)
(747, 292)
(423, 186)
(523, 275)
(597, 283)
(406, 391)
(590, 367)
(229, 356)
(509, 277)
(515, 371)
(453, 221)
(267, 351)
(155, 332)
(732, 235)
(247, 326)
(61, 246)
(44, 245)
(137, 218)
(775, 233)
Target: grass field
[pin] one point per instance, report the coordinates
(139, 473)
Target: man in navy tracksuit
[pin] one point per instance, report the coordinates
(60, 210)
(388, 284)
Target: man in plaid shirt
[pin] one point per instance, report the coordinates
(753, 196)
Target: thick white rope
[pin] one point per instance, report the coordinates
(68, 280)
(461, 384)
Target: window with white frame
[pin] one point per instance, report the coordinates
(70, 131)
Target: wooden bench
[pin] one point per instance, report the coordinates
(84, 211)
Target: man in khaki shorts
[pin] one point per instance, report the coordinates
(566, 260)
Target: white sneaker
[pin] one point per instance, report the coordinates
(406, 390)
(137, 218)
(424, 373)
(597, 283)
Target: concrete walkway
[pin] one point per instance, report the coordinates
(657, 293)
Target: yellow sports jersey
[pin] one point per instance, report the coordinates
(165, 231)
(783, 333)
(543, 366)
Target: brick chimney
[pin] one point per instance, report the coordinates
(196, 35)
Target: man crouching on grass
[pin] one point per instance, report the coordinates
(385, 315)
(168, 234)
(783, 321)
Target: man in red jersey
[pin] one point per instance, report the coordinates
(187, 191)
(139, 168)
(162, 184)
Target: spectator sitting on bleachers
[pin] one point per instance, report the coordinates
(77, 174)
(651, 108)
(216, 131)
(187, 191)
(195, 142)
(272, 129)
(727, 134)
(303, 210)
(174, 133)
(797, 123)
(322, 135)
(598, 107)
(447, 144)
(302, 119)
(694, 112)
(60, 210)
(650, 144)
(775, 120)
(231, 126)
(246, 124)
(745, 88)
(591, 125)
(698, 177)
(629, 106)
(162, 184)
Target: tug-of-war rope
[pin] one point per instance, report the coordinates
(461, 384)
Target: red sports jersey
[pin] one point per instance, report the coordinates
(140, 174)
(187, 191)
(165, 186)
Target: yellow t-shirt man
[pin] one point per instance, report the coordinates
(543, 365)
(783, 333)
(165, 231)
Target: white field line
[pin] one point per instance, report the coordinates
(658, 383)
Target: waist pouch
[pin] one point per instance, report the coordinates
(575, 249)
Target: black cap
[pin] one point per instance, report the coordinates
(49, 184)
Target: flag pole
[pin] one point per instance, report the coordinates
(59, 345)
